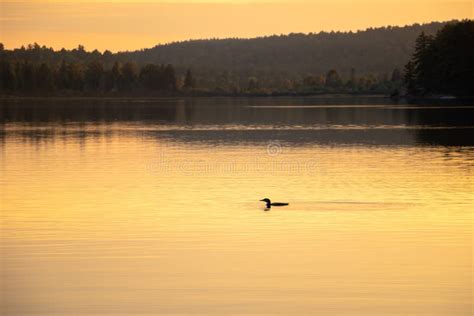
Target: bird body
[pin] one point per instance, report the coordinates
(270, 204)
(279, 204)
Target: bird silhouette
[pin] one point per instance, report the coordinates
(270, 204)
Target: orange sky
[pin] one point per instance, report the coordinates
(122, 25)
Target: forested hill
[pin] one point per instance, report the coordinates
(373, 51)
(369, 61)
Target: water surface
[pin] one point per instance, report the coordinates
(151, 207)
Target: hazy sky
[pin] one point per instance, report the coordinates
(125, 25)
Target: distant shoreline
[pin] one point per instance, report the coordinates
(188, 96)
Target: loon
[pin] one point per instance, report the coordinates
(270, 204)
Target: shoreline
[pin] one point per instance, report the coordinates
(10, 97)
(239, 96)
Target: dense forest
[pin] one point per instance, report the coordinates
(90, 79)
(369, 61)
(373, 53)
(444, 63)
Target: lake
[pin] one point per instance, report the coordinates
(151, 206)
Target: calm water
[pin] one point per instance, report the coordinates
(151, 207)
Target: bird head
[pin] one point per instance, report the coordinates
(265, 200)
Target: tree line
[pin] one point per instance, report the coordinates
(443, 63)
(24, 77)
(22, 74)
(365, 62)
(92, 78)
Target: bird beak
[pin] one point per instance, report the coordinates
(262, 200)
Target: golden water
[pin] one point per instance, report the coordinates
(153, 215)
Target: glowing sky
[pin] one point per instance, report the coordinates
(123, 25)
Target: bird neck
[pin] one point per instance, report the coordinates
(269, 204)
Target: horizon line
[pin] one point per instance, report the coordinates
(356, 31)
